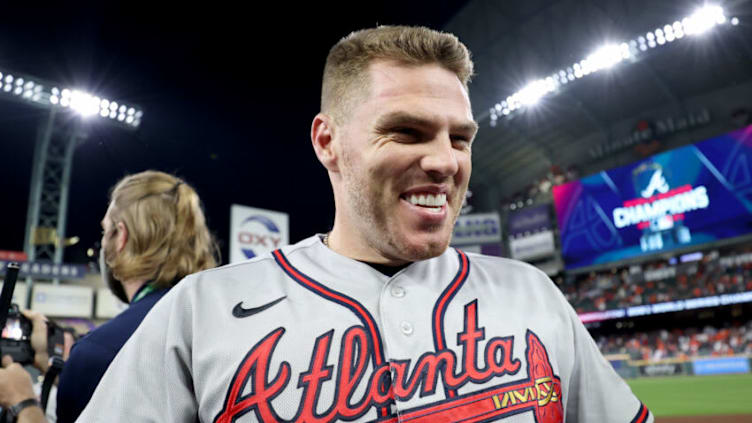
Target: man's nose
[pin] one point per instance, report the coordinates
(441, 158)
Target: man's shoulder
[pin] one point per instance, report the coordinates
(506, 269)
(254, 270)
(502, 264)
(509, 275)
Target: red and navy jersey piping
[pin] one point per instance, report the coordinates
(642, 415)
(353, 305)
(439, 309)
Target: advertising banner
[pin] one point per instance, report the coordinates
(13, 255)
(62, 300)
(477, 229)
(532, 247)
(256, 231)
(47, 270)
(668, 307)
(662, 369)
(529, 219)
(721, 365)
(688, 196)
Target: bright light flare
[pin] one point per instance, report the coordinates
(703, 20)
(605, 57)
(84, 103)
(534, 91)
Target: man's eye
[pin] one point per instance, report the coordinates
(410, 132)
(460, 139)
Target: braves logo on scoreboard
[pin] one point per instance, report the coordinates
(657, 183)
(658, 205)
(358, 391)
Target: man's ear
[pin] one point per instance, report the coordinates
(121, 237)
(322, 137)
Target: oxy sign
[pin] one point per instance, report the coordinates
(256, 231)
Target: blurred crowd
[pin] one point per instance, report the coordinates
(539, 190)
(681, 343)
(620, 289)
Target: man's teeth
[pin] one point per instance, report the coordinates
(433, 201)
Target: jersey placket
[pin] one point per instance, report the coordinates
(407, 304)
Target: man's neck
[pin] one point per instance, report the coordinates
(132, 286)
(386, 270)
(349, 246)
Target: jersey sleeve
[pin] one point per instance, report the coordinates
(597, 394)
(150, 378)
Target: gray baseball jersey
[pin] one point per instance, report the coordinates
(306, 335)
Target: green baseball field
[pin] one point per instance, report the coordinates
(725, 395)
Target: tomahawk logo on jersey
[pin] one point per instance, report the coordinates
(307, 335)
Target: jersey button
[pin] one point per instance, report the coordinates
(406, 328)
(398, 292)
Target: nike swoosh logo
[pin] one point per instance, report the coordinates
(240, 312)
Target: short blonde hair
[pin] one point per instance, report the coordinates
(167, 234)
(345, 72)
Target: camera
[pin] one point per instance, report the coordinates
(16, 337)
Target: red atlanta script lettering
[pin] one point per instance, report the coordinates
(382, 386)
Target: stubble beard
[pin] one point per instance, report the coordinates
(369, 205)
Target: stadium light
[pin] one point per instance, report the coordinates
(534, 91)
(53, 153)
(606, 57)
(81, 102)
(700, 22)
(703, 20)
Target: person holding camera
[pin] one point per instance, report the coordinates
(154, 233)
(17, 393)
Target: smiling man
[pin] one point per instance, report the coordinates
(377, 320)
(399, 161)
